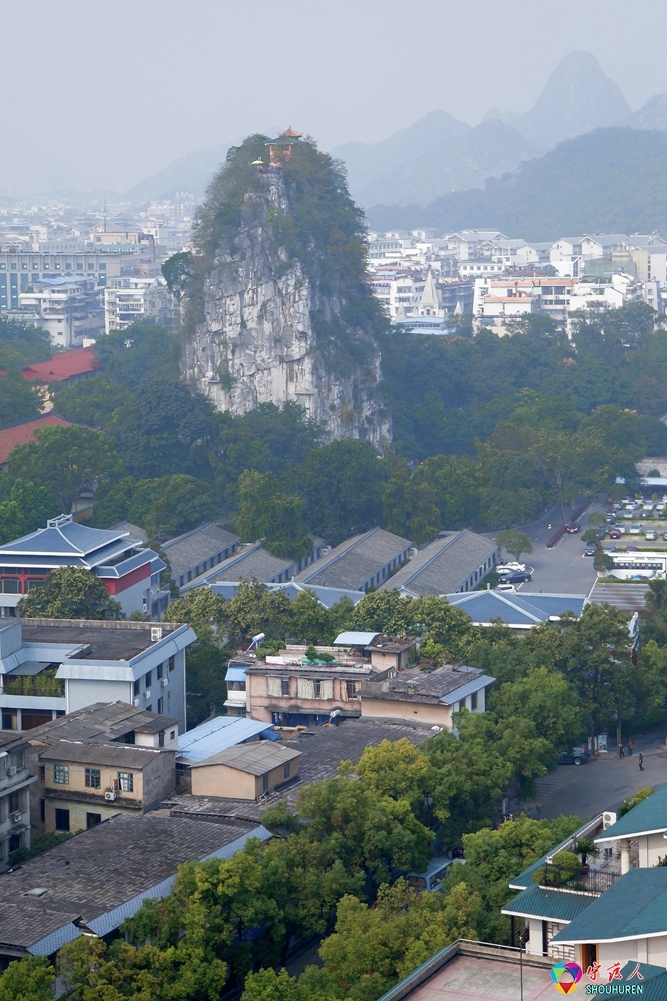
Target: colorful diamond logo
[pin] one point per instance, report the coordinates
(566, 976)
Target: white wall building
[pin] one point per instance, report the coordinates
(129, 299)
(69, 308)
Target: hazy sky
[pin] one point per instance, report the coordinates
(102, 94)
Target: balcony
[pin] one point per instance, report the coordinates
(44, 685)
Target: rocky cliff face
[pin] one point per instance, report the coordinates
(255, 340)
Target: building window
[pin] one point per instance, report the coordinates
(473, 700)
(316, 689)
(265, 782)
(287, 769)
(172, 663)
(284, 686)
(42, 773)
(160, 709)
(126, 781)
(168, 701)
(136, 688)
(351, 693)
(93, 819)
(102, 267)
(147, 680)
(79, 267)
(160, 671)
(62, 820)
(149, 709)
(172, 735)
(160, 736)
(61, 777)
(42, 810)
(92, 778)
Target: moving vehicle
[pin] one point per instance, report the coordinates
(510, 567)
(611, 518)
(635, 528)
(577, 756)
(572, 528)
(516, 577)
(590, 549)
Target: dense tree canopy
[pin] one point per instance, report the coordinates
(69, 593)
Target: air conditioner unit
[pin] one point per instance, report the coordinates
(608, 819)
(110, 794)
(16, 817)
(147, 693)
(156, 633)
(164, 682)
(135, 702)
(11, 770)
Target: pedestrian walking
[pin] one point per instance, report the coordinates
(641, 762)
(630, 747)
(621, 751)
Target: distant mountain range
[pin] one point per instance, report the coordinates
(442, 159)
(610, 180)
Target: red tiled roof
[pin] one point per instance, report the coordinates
(21, 432)
(62, 366)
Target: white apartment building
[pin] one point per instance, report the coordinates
(129, 299)
(20, 268)
(69, 308)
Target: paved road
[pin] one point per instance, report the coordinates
(602, 784)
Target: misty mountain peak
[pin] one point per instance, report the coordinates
(577, 97)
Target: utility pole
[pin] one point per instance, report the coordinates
(523, 938)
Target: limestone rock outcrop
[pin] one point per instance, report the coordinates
(257, 336)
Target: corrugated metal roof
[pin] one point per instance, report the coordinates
(634, 907)
(216, 735)
(354, 562)
(555, 905)
(443, 566)
(352, 638)
(648, 816)
(56, 940)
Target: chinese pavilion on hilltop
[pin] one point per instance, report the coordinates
(280, 149)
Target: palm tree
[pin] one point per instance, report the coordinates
(586, 849)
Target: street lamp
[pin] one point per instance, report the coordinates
(524, 935)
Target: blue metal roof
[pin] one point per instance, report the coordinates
(235, 674)
(69, 538)
(216, 735)
(527, 609)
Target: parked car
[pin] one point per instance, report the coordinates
(631, 549)
(614, 534)
(504, 586)
(664, 535)
(648, 505)
(510, 567)
(577, 756)
(590, 549)
(572, 528)
(635, 529)
(611, 519)
(621, 528)
(516, 577)
(651, 536)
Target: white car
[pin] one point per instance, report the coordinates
(635, 529)
(648, 505)
(651, 536)
(509, 567)
(505, 587)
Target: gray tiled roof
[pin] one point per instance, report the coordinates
(251, 561)
(102, 721)
(95, 753)
(355, 561)
(100, 869)
(430, 686)
(444, 565)
(187, 551)
(257, 758)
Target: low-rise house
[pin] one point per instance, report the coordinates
(84, 783)
(130, 570)
(15, 782)
(363, 562)
(321, 748)
(199, 551)
(210, 738)
(425, 696)
(70, 309)
(387, 653)
(246, 771)
(107, 758)
(518, 611)
(49, 667)
(98, 879)
(458, 562)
